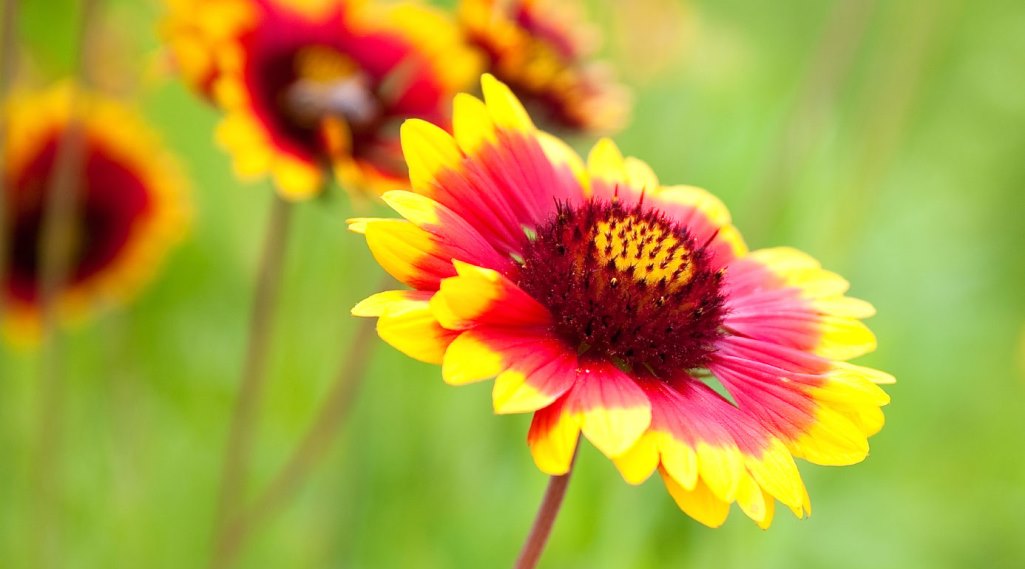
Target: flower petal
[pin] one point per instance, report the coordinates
(505, 109)
(428, 150)
(406, 322)
(535, 378)
(614, 411)
(499, 174)
(640, 460)
(480, 296)
(472, 124)
(784, 296)
(554, 432)
(699, 502)
(705, 217)
(452, 237)
(823, 411)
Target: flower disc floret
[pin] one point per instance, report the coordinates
(626, 285)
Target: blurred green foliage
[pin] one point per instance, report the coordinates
(885, 138)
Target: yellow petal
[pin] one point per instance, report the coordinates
(512, 394)
(553, 440)
(429, 150)
(468, 360)
(679, 460)
(605, 162)
(472, 124)
(699, 503)
(756, 504)
(720, 468)
(639, 175)
(832, 440)
(613, 430)
(844, 338)
(418, 209)
(777, 474)
(376, 304)
(505, 109)
(637, 464)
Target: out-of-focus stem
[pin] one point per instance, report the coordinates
(254, 371)
(310, 450)
(542, 528)
(834, 57)
(887, 109)
(8, 68)
(58, 233)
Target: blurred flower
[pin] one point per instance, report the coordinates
(608, 304)
(198, 32)
(318, 83)
(131, 204)
(651, 36)
(540, 49)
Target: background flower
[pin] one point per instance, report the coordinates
(542, 50)
(306, 86)
(131, 207)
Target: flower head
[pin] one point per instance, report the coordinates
(316, 84)
(610, 305)
(131, 205)
(540, 50)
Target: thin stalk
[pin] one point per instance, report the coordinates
(806, 123)
(57, 237)
(8, 67)
(550, 505)
(309, 451)
(886, 110)
(254, 370)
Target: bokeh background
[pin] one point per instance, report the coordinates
(885, 138)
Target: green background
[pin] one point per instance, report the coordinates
(885, 138)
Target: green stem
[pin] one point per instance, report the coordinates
(55, 245)
(8, 68)
(254, 371)
(309, 451)
(546, 514)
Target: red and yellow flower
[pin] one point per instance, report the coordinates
(131, 204)
(314, 84)
(608, 304)
(540, 49)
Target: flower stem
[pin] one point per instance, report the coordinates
(546, 514)
(309, 451)
(808, 120)
(56, 243)
(254, 370)
(8, 67)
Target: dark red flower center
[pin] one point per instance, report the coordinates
(310, 84)
(112, 199)
(626, 285)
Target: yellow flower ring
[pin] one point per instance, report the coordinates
(307, 86)
(132, 204)
(607, 304)
(540, 49)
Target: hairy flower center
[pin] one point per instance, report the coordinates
(626, 285)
